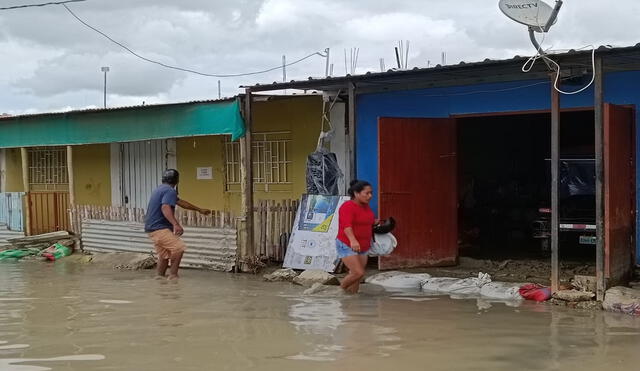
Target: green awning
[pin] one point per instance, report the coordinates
(123, 125)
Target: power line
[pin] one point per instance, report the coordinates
(187, 69)
(41, 4)
(445, 95)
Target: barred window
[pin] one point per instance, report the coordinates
(48, 169)
(271, 153)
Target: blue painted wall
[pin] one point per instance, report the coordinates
(620, 88)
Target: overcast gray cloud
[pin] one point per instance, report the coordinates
(52, 62)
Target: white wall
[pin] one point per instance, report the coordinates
(339, 143)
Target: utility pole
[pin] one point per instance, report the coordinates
(284, 68)
(327, 62)
(105, 70)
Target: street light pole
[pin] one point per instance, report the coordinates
(105, 70)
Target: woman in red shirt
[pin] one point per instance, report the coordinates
(355, 231)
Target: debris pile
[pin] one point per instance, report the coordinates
(124, 260)
(48, 246)
(312, 276)
(281, 275)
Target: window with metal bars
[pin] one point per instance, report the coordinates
(48, 169)
(270, 156)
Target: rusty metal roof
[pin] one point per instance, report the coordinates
(488, 70)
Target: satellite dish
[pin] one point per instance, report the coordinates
(536, 14)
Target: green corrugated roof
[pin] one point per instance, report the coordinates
(123, 125)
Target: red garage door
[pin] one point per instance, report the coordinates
(417, 186)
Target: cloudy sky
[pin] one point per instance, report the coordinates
(49, 61)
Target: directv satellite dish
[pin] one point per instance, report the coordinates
(536, 14)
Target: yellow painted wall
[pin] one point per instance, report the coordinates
(13, 170)
(300, 115)
(202, 152)
(92, 174)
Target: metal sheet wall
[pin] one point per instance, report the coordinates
(619, 194)
(207, 248)
(142, 164)
(11, 210)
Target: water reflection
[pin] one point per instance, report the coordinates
(321, 317)
(341, 325)
(128, 321)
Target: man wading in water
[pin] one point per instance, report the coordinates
(162, 226)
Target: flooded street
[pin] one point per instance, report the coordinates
(68, 316)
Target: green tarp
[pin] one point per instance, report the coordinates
(123, 125)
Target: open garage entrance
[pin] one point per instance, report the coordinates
(479, 186)
(504, 178)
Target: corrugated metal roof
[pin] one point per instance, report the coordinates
(111, 109)
(492, 66)
(6, 234)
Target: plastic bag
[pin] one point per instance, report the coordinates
(382, 244)
(323, 173)
(56, 252)
(17, 253)
(398, 280)
(501, 291)
(533, 291)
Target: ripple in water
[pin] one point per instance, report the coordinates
(11, 364)
(115, 301)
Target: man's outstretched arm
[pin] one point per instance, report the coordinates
(189, 206)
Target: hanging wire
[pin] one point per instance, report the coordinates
(187, 69)
(40, 4)
(542, 54)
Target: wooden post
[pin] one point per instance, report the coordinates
(24, 154)
(600, 212)
(268, 251)
(72, 188)
(246, 179)
(352, 132)
(3, 169)
(555, 158)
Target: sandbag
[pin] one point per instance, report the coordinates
(501, 291)
(398, 280)
(622, 300)
(438, 284)
(456, 286)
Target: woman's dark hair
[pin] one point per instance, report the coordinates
(356, 186)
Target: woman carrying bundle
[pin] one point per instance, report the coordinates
(356, 220)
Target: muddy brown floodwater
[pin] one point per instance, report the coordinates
(68, 316)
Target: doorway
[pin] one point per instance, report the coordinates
(475, 186)
(137, 169)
